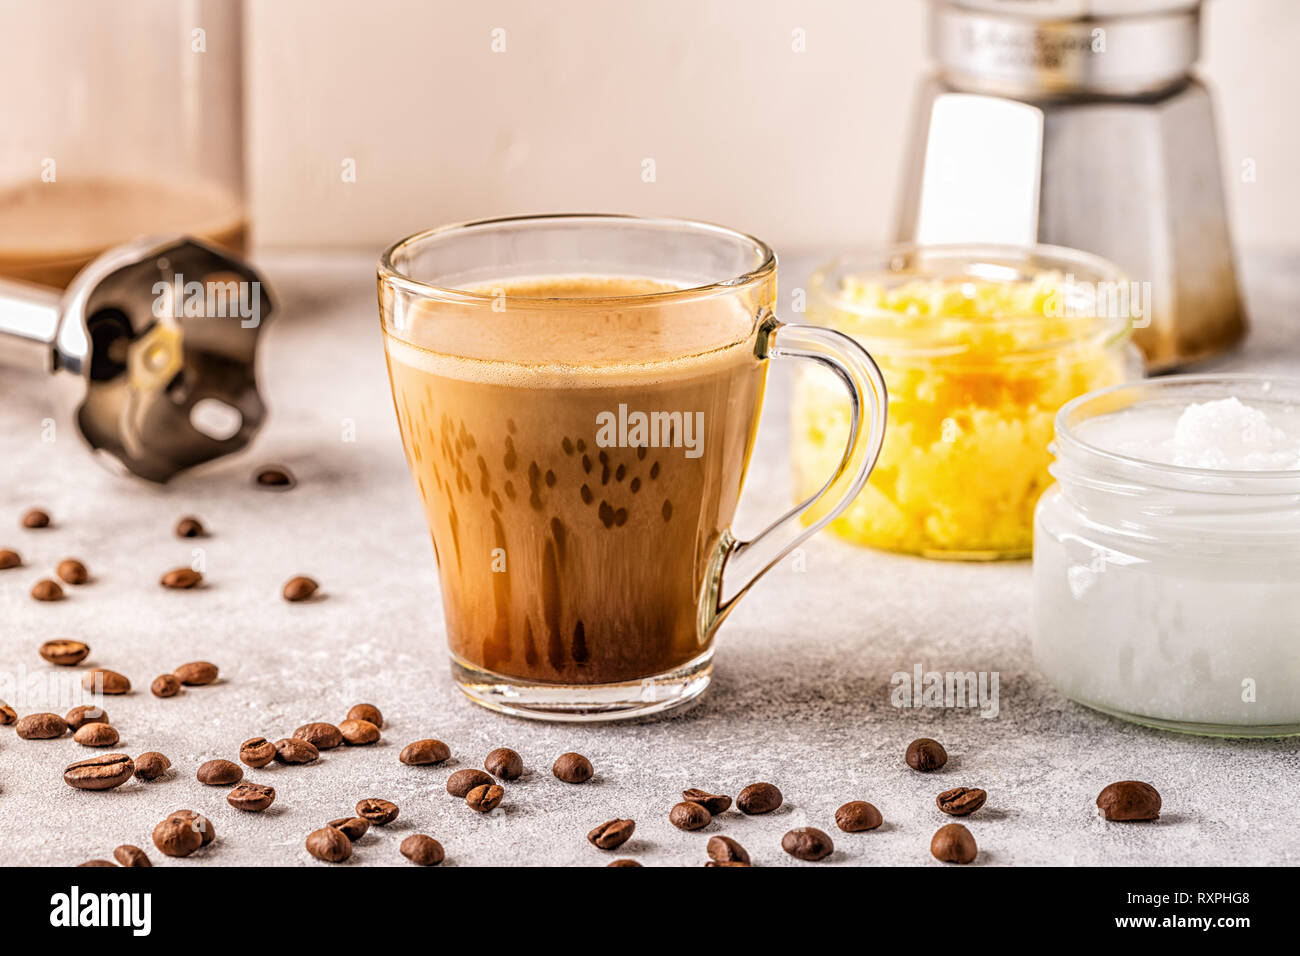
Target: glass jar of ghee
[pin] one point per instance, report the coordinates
(979, 346)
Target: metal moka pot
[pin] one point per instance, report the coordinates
(161, 335)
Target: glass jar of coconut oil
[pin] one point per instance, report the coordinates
(1167, 555)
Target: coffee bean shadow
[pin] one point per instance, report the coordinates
(634, 845)
(987, 815)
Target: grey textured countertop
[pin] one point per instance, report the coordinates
(801, 695)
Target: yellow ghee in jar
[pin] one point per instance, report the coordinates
(976, 370)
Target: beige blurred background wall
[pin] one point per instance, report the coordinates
(458, 110)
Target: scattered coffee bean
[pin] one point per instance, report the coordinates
(715, 803)
(103, 772)
(623, 863)
(961, 801)
(189, 527)
(856, 816)
(611, 834)
(196, 673)
(329, 845)
(807, 843)
(219, 773)
(7, 714)
(460, 783)
(181, 578)
(299, 588)
(256, 752)
(274, 477)
(64, 652)
(354, 828)
(10, 559)
(423, 752)
(84, 714)
(484, 798)
(181, 833)
(504, 764)
(165, 685)
(96, 863)
(953, 844)
(1129, 800)
(727, 863)
(422, 850)
(925, 755)
(41, 727)
(358, 733)
(72, 571)
(689, 816)
(105, 682)
(377, 811)
(151, 765)
(252, 797)
(200, 823)
(36, 519)
(131, 856)
(96, 735)
(320, 735)
(293, 750)
(573, 768)
(758, 798)
(47, 590)
(367, 712)
(722, 849)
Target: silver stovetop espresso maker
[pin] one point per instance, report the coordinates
(1078, 123)
(157, 340)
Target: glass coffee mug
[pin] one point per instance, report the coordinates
(578, 397)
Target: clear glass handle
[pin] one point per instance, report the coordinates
(738, 564)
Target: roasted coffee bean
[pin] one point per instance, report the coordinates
(189, 527)
(377, 811)
(484, 798)
(72, 571)
(294, 750)
(367, 712)
(151, 765)
(689, 816)
(961, 801)
(47, 590)
(200, 823)
(96, 735)
(329, 845)
(7, 714)
(299, 588)
(856, 816)
(460, 783)
(64, 652)
(36, 518)
(132, 856)
(611, 834)
(1129, 800)
(320, 735)
(623, 863)
(165, 685)
(358, 733)
(573, 768)
(103, 772)
(252, 797)
(84, 714)
(181, 578)
(354, 828)
(807, 843)
(423, 752)
(96, 863)
(422, 850)
(727, 863)
(759, 798)
(41, 727)
(504, 764)
(953, 844)
(10, 559)
(715, 803)
(925, 755)
(196, 673)
(256, 752)
(274, 477)
(180, 834)
(105, 682)
(723, 849)
(219, 773)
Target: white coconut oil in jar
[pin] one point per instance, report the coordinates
(1167, 555)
